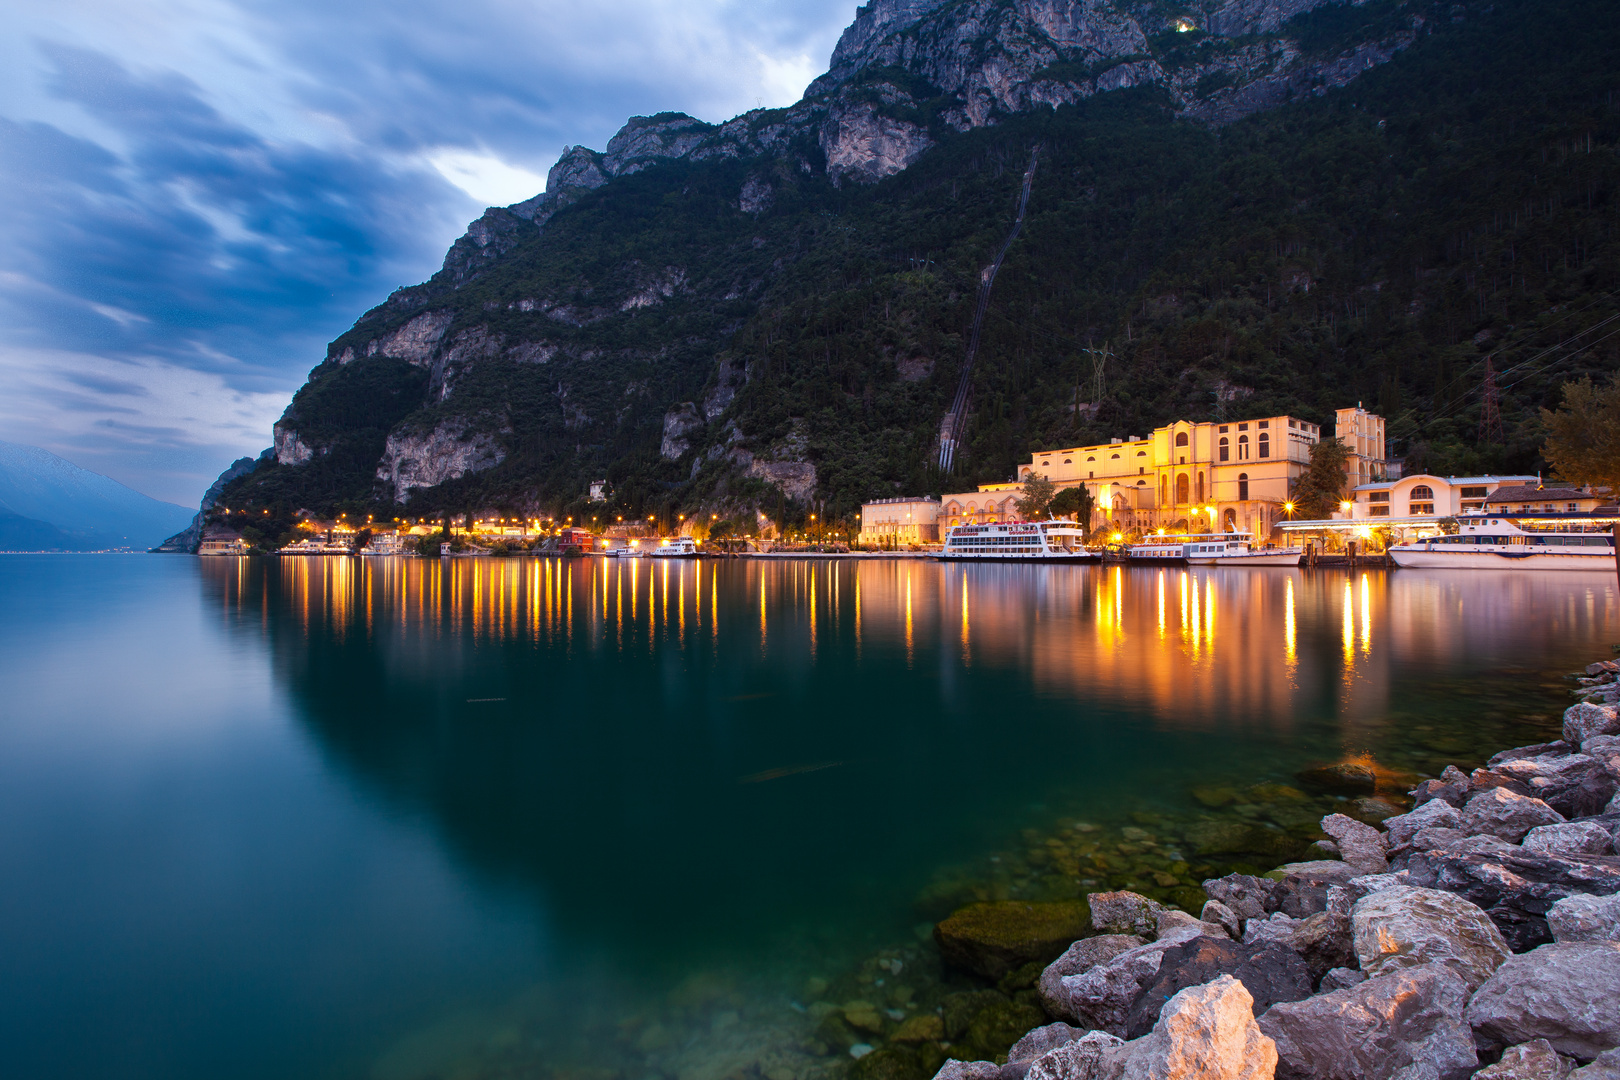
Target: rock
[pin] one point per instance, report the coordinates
(958, 1010)
(1606, 1066)
(1345, 778)
(887, 1063)
(1408, 927)
(1535, 1060)
(1341, 978)
(1516, 888)
(1042, 1040)
(1081, 957)
(992, 939)
(1303, 890)
(1576, 785)
(1205, 1032)
(1585, 918)
(995, 1029)
(968, 1070)
(1536, 750)
(1326, 942)
(1226, 836)
(1452, 787)
(1245, 896)
(1077, 1060)
(1278, 929)
(1565, 992)
(1506, 815)
(1271, 972)
(1361, 845)
(863, 1016)
(1407, 1024)
(1583, 721)
(1570, 838)
(924, 1028)
(1101, 997)
(1172, 919)
(1374, 809)
(1436, 814)
(1222, 916)
(1124, 913)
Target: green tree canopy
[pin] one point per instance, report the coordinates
(1319, 490)
(1038, 492)
(1074, 500)
(1583, 441)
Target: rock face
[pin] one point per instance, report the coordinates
(188, 541)
(1506, 815)
(992, 939)
(424, 459)
(1565, 992)
(1406, 927)
(1585, 918)
(1205, 1032)
(679, 422)
(1408, 1023)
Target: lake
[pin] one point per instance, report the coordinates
(633, 819)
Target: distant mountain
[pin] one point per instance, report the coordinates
(50, 504)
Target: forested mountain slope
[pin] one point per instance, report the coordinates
(1258, 207)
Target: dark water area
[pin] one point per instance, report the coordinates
(624, 820)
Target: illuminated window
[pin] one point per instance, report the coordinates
(1243, 487)
(1181, 438)
(1226, 450)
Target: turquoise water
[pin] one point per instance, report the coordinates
(400, 819)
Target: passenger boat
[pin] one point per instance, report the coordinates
(1018, 541)
(1238, 549)
(1486, 541)
(1165, 547)
(674, 547)
(629, 551)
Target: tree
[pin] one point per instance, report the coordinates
(1320, 488)
(1583, 441)
(1038, 492)
(1076, 501)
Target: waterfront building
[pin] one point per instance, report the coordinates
(1561, 499)
(901, 521)
(1420, 498)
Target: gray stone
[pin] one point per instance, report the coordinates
(1435, 814)
(1171, 919)
(1537, 750)
(1570, 838)
(1408, 927)
(1606, 1066)
(1278, 929)
(1124, 913)
(1452, 787)
(1565, 992)
(968, 1070)
(1081, 957)
(1341, 978)
(1516, 887)
(1222, 916)
(1506, 815)
(1246, 896)
(1405, 1024)
(1576, 785)
(1081, 1059)
(1101, 997)
(1042, 1040)
(1270, 971)
(1583, 721)
(1585, 918)
(1303, 891)
(1362, 846)
(1535, 1060)
(1205, 1032)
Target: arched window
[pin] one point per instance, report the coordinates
(1231, 521)
(1068, 461)
(1243, 448)
(1226, 449)
(1091, 459)
(1141, 453)
(1181, 489)
(1181, 438)
(1422, 491)
(1164, 490)
(1265, 444)
(1113, 457)
(1243, 487)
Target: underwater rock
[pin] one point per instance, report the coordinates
(1270, 972)
(995, 1029)
(924, 1028)
(1408, 927)
(958, 1010)
(1124, 913)
(1080, 957)
(1345, 778)
(1563, 992)
(1205, 1032)
(994, 938)
(1226, 836)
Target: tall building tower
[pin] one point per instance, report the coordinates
(1363, 433)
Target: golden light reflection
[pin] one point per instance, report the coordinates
(1290, 644)
(1160, 577)
(1349, 626)
(1366, 616)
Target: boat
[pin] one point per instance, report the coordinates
(1166, 547)
(674, 547)
(1543, 541)
(1018, 541)
(629, 551)
(1238, 549)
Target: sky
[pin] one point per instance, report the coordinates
(199, 194)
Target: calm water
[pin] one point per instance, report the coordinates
(400, 819)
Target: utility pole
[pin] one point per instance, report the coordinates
(1099, 366)
(1490, 418)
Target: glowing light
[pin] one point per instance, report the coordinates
(1118, 537)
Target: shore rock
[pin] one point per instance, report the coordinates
(1404, 1024)
(1362, 846)
(1576, 785)
(1506, 815)
(1516, 888)
(1076, 1060)
(1246, 896)
(1303, 890)
(1606, 1066)
(1570, 838)
(992, 939)
(968, 1070)
(1435, 814)
(1270, 972)
(1585, 918)
(1080, 957)
(1452, 788)
(1043, 1040)
(1583, 721)
(1205, 1032)
(1341, 978)
(1218, 913)
(1345, 778)
(1323, 939)
(1564, 992)
(1535, 1060)
(1408, 927)
(1101, 998)
(1124, 913)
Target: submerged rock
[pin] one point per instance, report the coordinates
(992, 939)
(1408, 1023)
(1345, 778)
(1408, 927)
(1564, 992)
(1205, 1032)
(1125, 913)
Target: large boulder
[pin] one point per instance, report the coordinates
(1245, 896)
(1570, 838)
(1606, 1066)
(1124, 913)
(1362, 846)
(1080, 957)
(1205, 1032)
(1506, 815)
(1585, 918)
(992, 939)
(1323, 940)
(1043, 1039)
(1408, 927)
(1583, 721)
(1515, 887)
(1435, 814)
(1270, 972)
(1101, 998)
(1575, 785)
(1303, 888)
(1080, 1059)
(1452, 787)
(1406, 1024)
(1567, 993)
(1535, 1060)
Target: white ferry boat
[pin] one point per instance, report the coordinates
(1238, 549)
(1579, 541)
(674, 547)
(1166, 547)
(1024, 541)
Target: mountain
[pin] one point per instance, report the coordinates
(1256, 206)
(50, 504)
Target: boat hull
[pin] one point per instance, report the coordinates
(1425, 559)
(1253, 558)
(1079, 557)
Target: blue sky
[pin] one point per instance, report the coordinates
(201, 193)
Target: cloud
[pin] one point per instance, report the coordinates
(202, 193)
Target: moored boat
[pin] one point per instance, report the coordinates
(1238, 549)
(674, 547)
(1545, 541)
(1018, 541)
(1162, 548)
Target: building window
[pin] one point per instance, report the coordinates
(1181, 438)
(1225, 429)
(1473, 492)
(1092, 475)
(1243, 447)
(1141, 453)
(1264, 424)
(1200, 487)
(1091, 459)
(1141, 470)
(1182, 492)
(1068, 461)
(1225, 449)
(1378, 496)
(1416, 509)
(1243, 427)
(1243, 487)
(1421, 492)
(1378, 511)
(1265, 444)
